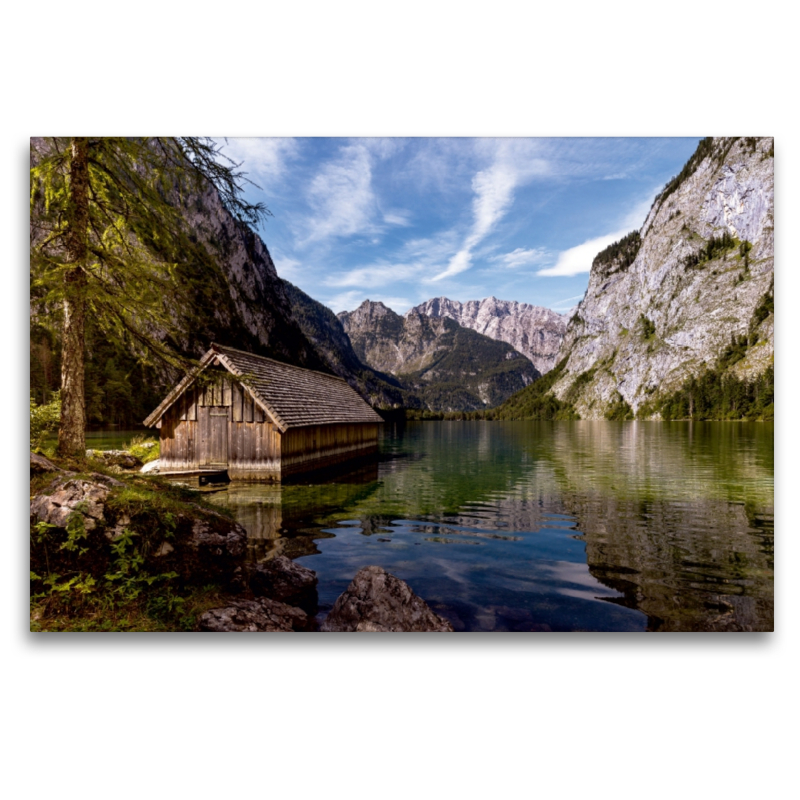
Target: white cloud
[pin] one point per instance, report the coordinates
(566, 304)
(515, 163)
(397, 218)
(522, 257)
(349, 301)
(376, 275)
(579, 259)
(341, 196)
(287, 267)
(264, 159)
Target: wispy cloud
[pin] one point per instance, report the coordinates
(579, 259)
(349, 301)
(522, 257)
(402, 218)
(376, 275)
(265, 160)
(341, 196)
(288, 268)
(515, 162)
(566, 303)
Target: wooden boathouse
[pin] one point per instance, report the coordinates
(260, 419)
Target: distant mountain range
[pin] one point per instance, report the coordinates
(449, 367)
(692, 290)
(534, 331)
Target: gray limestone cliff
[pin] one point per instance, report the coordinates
(664, 305)
(534, 331)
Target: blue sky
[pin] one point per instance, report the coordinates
(404, 220)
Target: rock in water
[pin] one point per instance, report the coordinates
(261, 615)
(378, 601)
(282, 579)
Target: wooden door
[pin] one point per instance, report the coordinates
(213, 444)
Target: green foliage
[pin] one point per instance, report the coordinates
(81, 580)
(744, 251)
(145, 448)
(648, 328)
(45, 362)
(718, 395)
(581, 381)
(620, 254)
(764, 308)
(715, 247)
(44, 420)
(619, 409)
(536, 401)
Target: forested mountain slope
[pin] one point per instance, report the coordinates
(243, 304)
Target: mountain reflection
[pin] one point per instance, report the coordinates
(573, 526)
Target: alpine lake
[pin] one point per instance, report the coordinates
(542, 526)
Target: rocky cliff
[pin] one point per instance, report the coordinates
(534, 331)
(242, 301)
(665, 303)
(250, 308)
(449, 367)
(324, 330)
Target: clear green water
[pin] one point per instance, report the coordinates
(602, 526)
(109, 439)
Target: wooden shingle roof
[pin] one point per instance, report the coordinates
(292, 396)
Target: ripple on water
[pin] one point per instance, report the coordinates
(570, 526)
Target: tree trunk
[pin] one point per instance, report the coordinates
(71, 433)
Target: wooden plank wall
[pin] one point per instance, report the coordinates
(324, 445)
(256, 448)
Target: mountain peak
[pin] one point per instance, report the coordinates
(534, 331)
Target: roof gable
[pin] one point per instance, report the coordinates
(293, 397)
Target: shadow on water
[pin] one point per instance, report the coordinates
(543, 526)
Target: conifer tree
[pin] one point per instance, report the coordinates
(109, 238)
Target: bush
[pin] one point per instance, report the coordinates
(45, 419)
(144, 448)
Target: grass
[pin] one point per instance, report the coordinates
(145, 448)
(85, 582)
(156, 612)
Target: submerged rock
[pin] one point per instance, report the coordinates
(378, 601)
(260, 615)
(282, 579)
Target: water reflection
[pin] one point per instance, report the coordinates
(545, 526)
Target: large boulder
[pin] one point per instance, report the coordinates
(378, 601)
(79, 496)
(260, 615)
(282, 579)
(41, 464)
(200, 545)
